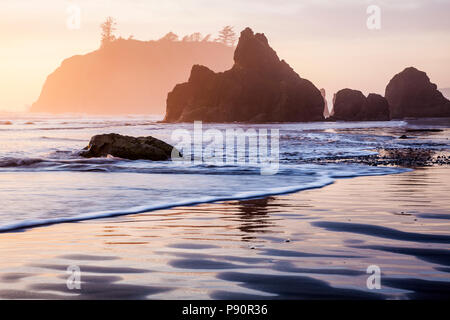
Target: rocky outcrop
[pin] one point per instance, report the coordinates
(376, 108)
(142, 148)
(352, 105)
(127, 76)
(258, 88)
(348, 104)
(411, 94)
(326, 112)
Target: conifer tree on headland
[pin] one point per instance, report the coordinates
(206, 38)
(171, 37)
(227, 36)
(108, 28)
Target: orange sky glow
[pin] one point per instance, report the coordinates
(325, 41)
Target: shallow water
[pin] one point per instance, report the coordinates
(315, 244)
(43, 180)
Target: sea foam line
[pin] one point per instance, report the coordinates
(323, 181)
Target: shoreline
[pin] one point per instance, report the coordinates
(323, 182)
(401, 159)
(303, 245)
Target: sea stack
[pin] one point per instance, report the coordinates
(412, 95)
(258, 88)
(127, 76)
(352, 105)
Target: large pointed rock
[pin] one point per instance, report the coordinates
(258, 88)
(411, 94)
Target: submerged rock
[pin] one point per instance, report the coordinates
(352, 105)
(142, 148)
(411, 94)
(258, 88)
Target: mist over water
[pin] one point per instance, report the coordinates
(43, 179)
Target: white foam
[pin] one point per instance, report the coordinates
(322, 181)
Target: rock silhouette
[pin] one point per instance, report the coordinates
(142, 148)
(411, 94)
(352, 105)
(258, 88)
(376, 108)
(126, 76)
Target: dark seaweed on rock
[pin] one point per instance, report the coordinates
(405, 157)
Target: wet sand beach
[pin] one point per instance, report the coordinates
(314, 244)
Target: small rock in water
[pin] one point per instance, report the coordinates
(131, 148)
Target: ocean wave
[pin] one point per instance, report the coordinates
(19, 162)
(320, 183)
(116, 180)
(61, 139)
(69, 161)
(320, 180)
(71, 126)
(51, 164)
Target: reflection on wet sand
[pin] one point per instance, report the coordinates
(254, 217)
(315, 244)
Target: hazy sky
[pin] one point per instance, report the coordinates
(325, 41)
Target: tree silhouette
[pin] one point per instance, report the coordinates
(169, 37)
(108, 28)
(206, 38)
(195, 37)
(227, 36)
